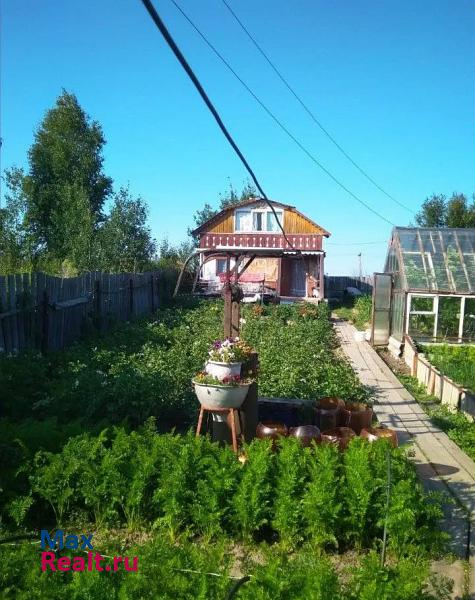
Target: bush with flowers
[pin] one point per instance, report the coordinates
(230, 350)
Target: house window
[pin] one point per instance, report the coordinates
(220, 265)
(257, 220)
(261, 219)
(272, 224)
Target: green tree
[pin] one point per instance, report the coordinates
(437, 211)
(170, 256)
(65, 177)
(433, 212)
(227, 198)
(459, 213)
(125, 241)
(15, 242)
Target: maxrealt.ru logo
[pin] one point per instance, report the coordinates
(89, 561)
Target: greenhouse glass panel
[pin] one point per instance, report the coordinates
(397, 315)
(421, 326)
(434, 259)
(416, 276)
(448, 320)
(422, 304)
(469, 320)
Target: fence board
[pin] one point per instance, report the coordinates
(43, 312)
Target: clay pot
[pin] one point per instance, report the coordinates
(377, 433)
(340, 436)
(306, 434)
(328, 412)
(271, 430)
(357, 416)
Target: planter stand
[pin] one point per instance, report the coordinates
(230, 412)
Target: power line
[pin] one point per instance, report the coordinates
(354, 243)
(276, 120)
(189, 71)
(309, 112)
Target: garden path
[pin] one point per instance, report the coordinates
(440, 463)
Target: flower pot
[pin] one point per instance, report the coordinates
(339, 436)
(271, 430)
(221, 396)
(328, 412)
(379, 433)
(306, 434)
(359, 336)
(222, 370)
(357, 416)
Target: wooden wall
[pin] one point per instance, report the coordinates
(293, 223)
(41, 312)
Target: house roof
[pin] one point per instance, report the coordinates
(260, 202)
(433, 259)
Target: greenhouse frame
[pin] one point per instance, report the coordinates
(427, 290)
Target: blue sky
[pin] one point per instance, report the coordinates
(393, 82)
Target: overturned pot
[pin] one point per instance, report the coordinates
(306, 434)
(339, 436)
(357, 416)
(328, 412)
(372, 434)
(271, 430)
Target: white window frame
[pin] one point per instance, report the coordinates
(435, 310)
(264, 212)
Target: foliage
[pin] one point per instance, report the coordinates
(457, 426)
(184, 484)
(185, 570)
(296, 354)
(228, 198)
(457, 362)
(437, 211)
(125, 241)
(229, 350)
(54, 219)
(357, 310)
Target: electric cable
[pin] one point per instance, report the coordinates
(309, 112)
(277, 121)
(189, 71)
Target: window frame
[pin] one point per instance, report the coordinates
(265, 212)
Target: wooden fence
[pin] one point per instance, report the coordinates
(436, 383)
(42, 312)
(336, 285)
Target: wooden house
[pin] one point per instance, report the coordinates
(245, 238)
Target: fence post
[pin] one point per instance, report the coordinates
(131, 297)
(152, 305)
(45, 323)
(98, 303)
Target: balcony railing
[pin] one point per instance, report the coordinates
(261, 240)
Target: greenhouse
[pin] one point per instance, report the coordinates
(428, 287)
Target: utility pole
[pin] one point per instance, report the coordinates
(360, 265)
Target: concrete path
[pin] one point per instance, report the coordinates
(440, 463)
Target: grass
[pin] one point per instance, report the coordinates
(357, 311)
(457, 362)
(456, 425)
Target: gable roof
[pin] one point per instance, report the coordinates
(259, 202)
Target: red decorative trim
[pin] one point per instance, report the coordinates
(261, 240)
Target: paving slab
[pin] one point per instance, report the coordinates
(440, 463)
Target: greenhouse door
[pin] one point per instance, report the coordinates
(381, 326)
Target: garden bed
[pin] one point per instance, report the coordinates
(459, 427)
(457, 362)
(77, 454)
